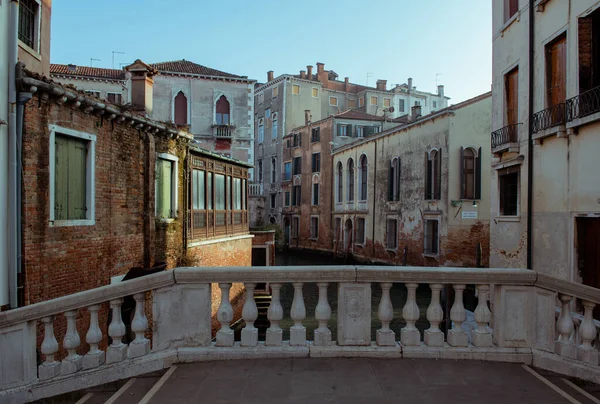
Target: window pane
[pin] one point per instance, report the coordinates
(163, 188)
(219, 192)
(315, 92)
(70, 178)
(237, 194)
(209, 195)
(198, 197)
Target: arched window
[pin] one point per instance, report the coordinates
(433, 186)
(350, 180)
(274, 129)
(363, 178)
(261, 130)
(181, 109)
(273, 169)
(394, 180)
(340, 182)
(470, 173)
(222, 111)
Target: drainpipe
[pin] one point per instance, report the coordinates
(13, 221)
(374, 199)
(530, 138)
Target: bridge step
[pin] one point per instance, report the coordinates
(575, 391)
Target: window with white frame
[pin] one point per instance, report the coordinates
(267, 113)
(387, 102)
(72, 177)
(261, 130)
(29, 23)
(314, 227)
(274, 127)
(351, 104)
(315, 92)
(431, 236)
(363, 175)
(93, 92)
(391, 241)
(401, 106)
(360, 230)
(373, 100)
(166, 186)
(333, 101)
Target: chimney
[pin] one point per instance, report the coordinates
(307, 116)
(302, 74)
(416, 112)
(381, 85)
(346, 80)
(309, 72)
(142, 82)
(320, 67)
(322, 75)
(410, 85)
(269, 75)
(441, 90)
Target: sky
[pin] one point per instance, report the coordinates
(445, 42)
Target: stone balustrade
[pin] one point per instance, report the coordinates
(516, 321)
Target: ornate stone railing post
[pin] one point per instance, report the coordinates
(433, 335)
(140, 346)
(385, 336)
(275, 315)
(249, 314)
(117, 351)
(457, 336)
(564, 325)
(587, 333)
(94, 357)
(409, 335)
(50, 368)
(482, 337)
(225, 316)
(298, 313)
(322, 314)
(73, 362)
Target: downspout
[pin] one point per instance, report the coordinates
(530, 137)
(374, 198)
(13, 199)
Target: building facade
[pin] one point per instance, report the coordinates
(563, 119)
(288, 101)
(417, 194)
(307, 176)
(112, 85)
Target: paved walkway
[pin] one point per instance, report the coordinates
(351, 381)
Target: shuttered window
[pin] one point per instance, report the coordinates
(181, 109)
(350, 180)
(363, 178)
(556, 69)
(510, 8)
(470, 173)
(360, 230)
(340, 183)
(164, 188)
(431, 237)
(394, 180)
(391, 234)
(511, 83)
(70, 178)
(589, 51)
(433, 184)
(28, 22)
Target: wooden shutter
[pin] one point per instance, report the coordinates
(556, 59)
(348, 130)
(61, 169)
(339, 129)
(438, 184)
(398, 177)
(478, 175)
(77, 179)
(391, 183)
(585, 53)
(462, 172)
(512, 97)
(428, 185)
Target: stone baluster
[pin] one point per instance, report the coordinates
(385, 336)
(298, 313)
(409, 335)
(275, 315)
(564, 325)
(51, 367)
(73, 362)
(140, 346)
(95, 357)
(482, 337)
(433, 335)
(457, 337)
(322, 314)
(225, 316)
(249, 314)
(587, 333)
(117, 351)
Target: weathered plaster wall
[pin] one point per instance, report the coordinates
(104, 87)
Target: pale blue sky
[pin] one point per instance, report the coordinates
(392, 39)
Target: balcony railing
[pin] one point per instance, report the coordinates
(584, 104)
(223, 131)
(256, 189)
(525, 329)
(506, 135)
(549, 118)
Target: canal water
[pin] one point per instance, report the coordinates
(398, 295)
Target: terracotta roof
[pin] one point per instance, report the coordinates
(91, 72)
(185, 66)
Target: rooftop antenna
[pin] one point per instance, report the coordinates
(92, 60)
(369, 75)
(436, 78)
(113, 57)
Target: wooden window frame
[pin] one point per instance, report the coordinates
(313, 92)
(432, 248)
(333, 98)
(388, 246)
(476, 173)
(350, 180)
(371, 100)
(363, 173)
(314, 231)
(433, 177)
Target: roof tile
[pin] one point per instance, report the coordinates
(185, 66)
(85, 71)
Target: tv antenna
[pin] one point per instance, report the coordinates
(369, 75)
(92, 60)
(436, 78)
(113, 57)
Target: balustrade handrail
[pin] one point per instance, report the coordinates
(505, 135)
(549, 117)
(584, 104)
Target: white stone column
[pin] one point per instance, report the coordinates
(275, 315)
(140, 346)
(73, 362)
(564, 325)
(587, 333)
(95, 357)
(409, 335)
(482, 337)
(433, 335)
(117, 351)
(50, 368)
(225, 335)
(385, 336)
(457, 337)
(249, 314)
(322, 314)
(298, 313)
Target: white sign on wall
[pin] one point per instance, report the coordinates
(469, 215)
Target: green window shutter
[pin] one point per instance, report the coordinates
(61, 168)
(163, 188)
(77, 178)
(349, 130)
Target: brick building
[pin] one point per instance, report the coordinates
(307, 176)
